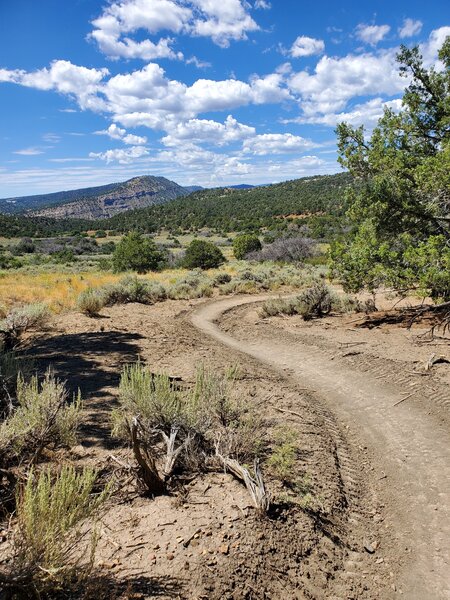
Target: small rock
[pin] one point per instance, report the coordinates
(224, 548)
(170, 556)
(368, 547)
(379, 561)
(377, 518)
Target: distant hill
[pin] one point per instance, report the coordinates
(22, 204)
(99, 202)
(225, 209)
(234, 209)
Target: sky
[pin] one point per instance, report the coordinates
(203, 92)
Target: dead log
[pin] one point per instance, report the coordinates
(255, 485)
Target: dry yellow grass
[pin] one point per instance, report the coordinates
(60, 291)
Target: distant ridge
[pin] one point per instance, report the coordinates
(100, 202)
(322, 198)
(20, 204)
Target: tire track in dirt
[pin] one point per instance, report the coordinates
(410, 448)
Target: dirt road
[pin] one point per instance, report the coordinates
(410, 449)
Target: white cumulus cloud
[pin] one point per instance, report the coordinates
(336, 80)
(221, 20)
(432, 46)
(372, 34)
(275, 143)
(208, 131)
(64, 77)
(410, 28)
(306, 46)
(121, 155)
(117, 133)
(366, 113)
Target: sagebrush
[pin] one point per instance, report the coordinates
(52, 543)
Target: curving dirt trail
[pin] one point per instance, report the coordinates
(410, 449)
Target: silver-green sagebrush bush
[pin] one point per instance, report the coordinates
(42, 418)
(133, 289)
(53, 538)
(174, 429)
(22, 319)
(91, 301)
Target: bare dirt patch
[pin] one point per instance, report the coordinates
(205, 540)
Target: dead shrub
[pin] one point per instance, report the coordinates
(289, 249)
(152, 417)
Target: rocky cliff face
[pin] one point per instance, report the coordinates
(97, 202)
(138, 192)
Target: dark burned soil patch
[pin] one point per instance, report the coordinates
(206, 541)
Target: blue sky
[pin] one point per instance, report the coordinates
(207, 92)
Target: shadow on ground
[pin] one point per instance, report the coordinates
(106, 587)
(90, 362)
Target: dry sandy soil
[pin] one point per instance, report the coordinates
(373, 431)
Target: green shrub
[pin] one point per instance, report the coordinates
(49, 555)
(315, 301)
(91, 301)
(135, 253)
(282, 461)
(183, 291)
(65, 256)
(279, 306)
(244, 244)
(196, 284)
(9, 262)
(239, 286)
(105, 264)
(203, 255)
(128, 289)
(221, 278)
(43, 418)
(171, 428)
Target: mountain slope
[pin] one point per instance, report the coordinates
(99, 202)
(231, 209)
(21, 204)
(225, 209)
